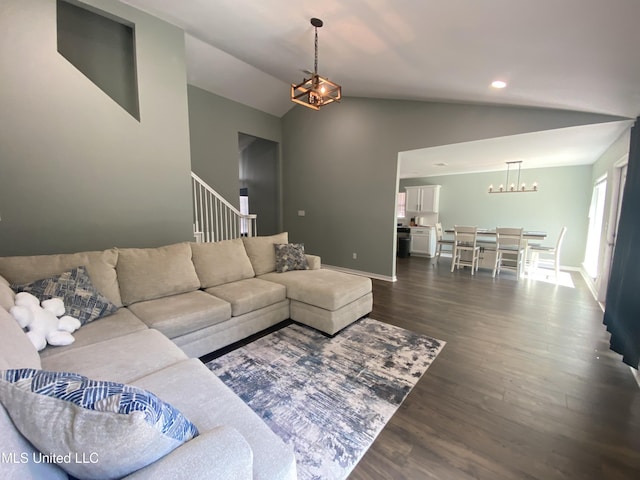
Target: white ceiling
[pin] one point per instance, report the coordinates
(581, 145)
(568, 54)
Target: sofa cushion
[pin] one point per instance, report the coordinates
(118, 324)
(314, 262)
(221, 262)
(81, 299)
(100, 266)
(249, 295)
(208, 402)
(16, 350)
(323, 288)
(24, 465)
(220, 453)
(148, 273)
(262, 253)
(120, 359)
(100, 429)
(290, 256)
(181, 314)
(7, 295)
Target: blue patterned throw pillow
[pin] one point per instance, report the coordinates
(91, 428)
(290, 256)
(81, 299)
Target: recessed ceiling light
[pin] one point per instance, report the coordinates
(441, 164)
(498, 84)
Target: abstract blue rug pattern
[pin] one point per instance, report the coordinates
(328, 397)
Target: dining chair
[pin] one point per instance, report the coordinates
(441, 242)
(553, 251)
(465, 241)
(510, 242)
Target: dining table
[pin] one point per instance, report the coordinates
(527, 234)
(486, 242)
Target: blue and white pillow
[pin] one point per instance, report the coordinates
(93, 429)
(81, 298)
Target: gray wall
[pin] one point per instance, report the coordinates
(77, 171)
(214, 124)
(562, 200)
(260, 173)
(340, 165)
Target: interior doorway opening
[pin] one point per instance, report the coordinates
(259, 182)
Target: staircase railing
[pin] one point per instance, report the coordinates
(214, 218)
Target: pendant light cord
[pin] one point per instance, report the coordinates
(315, 63)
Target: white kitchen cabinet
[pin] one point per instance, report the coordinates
(425, 198)
(423, 241)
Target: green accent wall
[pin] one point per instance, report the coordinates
(562, 200)
(77, 172)
(340, 165)
(214, 124)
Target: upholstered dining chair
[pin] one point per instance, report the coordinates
(441, 242)
(510, 242)
(554, 252)
(465, 242)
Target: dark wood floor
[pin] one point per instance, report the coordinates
(526, 387)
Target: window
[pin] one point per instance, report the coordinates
(596, 216)
(402, 204)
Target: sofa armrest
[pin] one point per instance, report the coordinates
(313, 261)
(218, 453)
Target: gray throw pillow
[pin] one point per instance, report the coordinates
(81, 299)
(92, 429)
(290, 256)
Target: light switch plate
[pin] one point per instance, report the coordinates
(301, 213)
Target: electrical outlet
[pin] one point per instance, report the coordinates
(355, 256)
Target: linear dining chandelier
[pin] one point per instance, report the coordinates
(514, 187)
(316, 91)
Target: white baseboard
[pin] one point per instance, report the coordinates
(377, 276)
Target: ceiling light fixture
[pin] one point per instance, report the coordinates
(513, 187)
(316, 91)
(498, 84)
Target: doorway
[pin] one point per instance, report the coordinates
(596, 217)
(611, 228)
(259, 187)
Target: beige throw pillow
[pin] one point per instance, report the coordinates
(262, 252)
(148, 273)
(221, 262)
(101, 266)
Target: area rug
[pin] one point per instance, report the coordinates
(328, 397)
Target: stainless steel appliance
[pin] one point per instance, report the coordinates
(403, 246)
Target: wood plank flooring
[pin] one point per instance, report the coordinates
(526, 387)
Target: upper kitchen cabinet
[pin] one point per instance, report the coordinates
(425, 198)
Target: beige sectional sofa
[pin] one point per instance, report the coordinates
(177, 303)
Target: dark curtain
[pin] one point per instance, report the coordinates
(622, 311)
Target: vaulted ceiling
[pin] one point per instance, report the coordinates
(568, 54)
